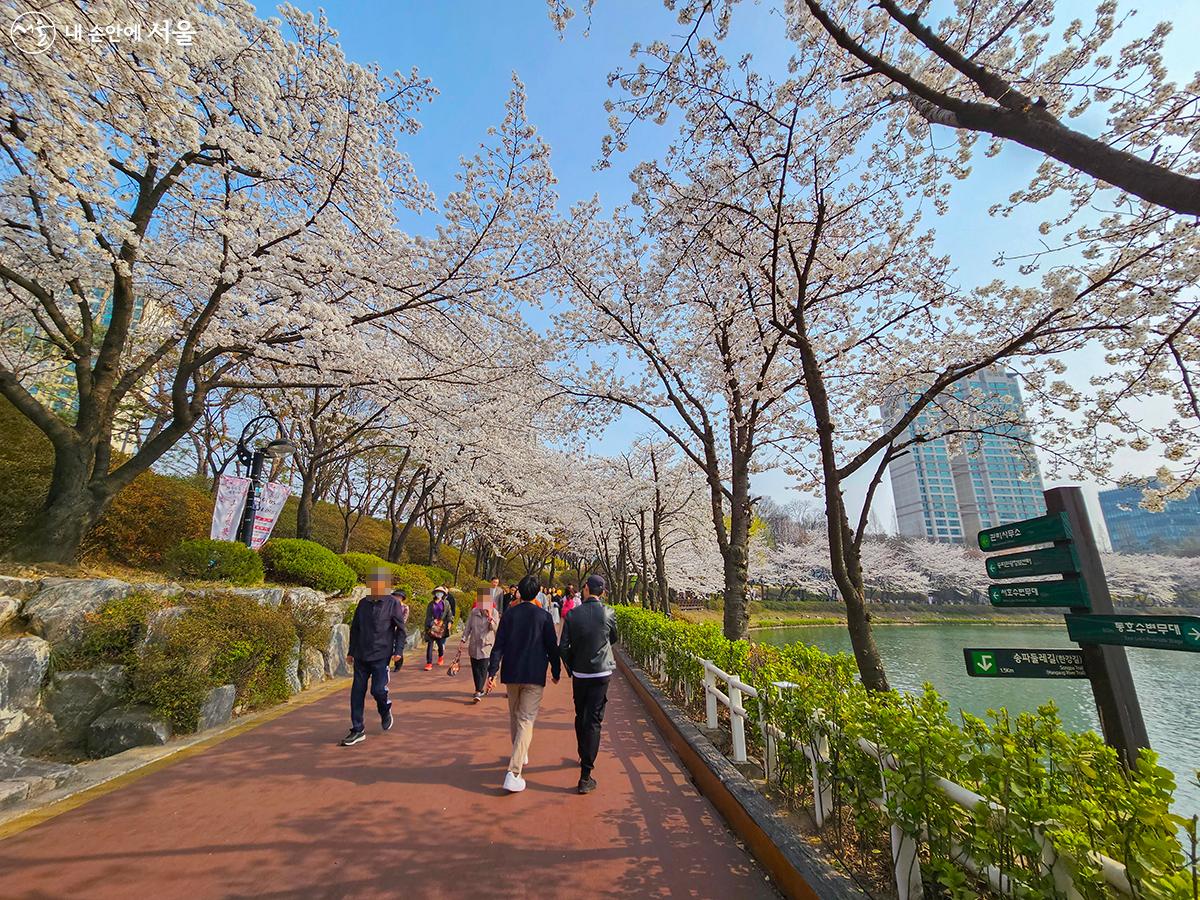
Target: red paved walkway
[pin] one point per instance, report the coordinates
(281, 811)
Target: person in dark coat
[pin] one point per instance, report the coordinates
(526, 644)
(377, 637)
(588, 635)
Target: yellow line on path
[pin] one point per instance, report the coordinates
(247, 723)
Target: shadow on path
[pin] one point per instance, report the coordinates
(282, 811)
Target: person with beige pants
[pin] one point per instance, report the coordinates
(526, 644)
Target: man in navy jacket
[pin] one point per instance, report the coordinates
(526, 644)
(377, 637)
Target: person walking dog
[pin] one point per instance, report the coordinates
(525, 644)
(377, 637)
(586, 649)
(479, 636)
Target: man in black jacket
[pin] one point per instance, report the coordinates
(588, 634)
(377, 637)
(526, 644)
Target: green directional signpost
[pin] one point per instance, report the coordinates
(1042, 530)
(1057, 560)
(1039, 593)
(1082, 592)
(1009, 662)
(1155, 632)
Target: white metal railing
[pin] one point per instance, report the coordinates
(906, 867)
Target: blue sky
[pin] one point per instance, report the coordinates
(469, 49)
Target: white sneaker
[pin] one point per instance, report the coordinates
(514, 784)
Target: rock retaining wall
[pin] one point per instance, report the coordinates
(72, 712)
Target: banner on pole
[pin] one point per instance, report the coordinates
(270, 505)
(227, 511)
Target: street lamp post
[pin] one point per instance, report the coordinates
(253, 461)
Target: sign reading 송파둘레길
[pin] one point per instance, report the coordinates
(1004, 662)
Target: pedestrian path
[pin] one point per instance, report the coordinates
(282, 811)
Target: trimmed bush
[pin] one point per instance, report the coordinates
(147, 520)
(1069, 785)
(364, 563)
(295, 561)
(207, 560)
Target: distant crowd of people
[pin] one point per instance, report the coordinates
(512, 635)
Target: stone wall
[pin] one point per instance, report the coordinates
(66, 714)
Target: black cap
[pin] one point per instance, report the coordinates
(596, 584)
(400, 592)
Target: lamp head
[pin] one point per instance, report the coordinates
(278, 449)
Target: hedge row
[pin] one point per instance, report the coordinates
(1069, 786)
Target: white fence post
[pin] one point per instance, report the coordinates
(710, 699)
(737, 724)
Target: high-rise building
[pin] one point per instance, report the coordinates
(1135, 530)
(994, 478)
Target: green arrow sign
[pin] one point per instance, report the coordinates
(1040, 593)
(1042, 530)
(1009, 662)
(1059, 560)
(1156, 632)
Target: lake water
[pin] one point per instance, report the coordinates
(1168, 682)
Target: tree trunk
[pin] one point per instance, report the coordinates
(305, 506)
(72, 507)
(845, 559)
(737, 557)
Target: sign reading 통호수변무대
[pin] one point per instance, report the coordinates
(1058, 560)
(1042, 530)
(1155, 632)
(1040, 593)
(1007, 662)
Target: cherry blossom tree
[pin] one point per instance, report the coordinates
(218, 213)
(670, 302)
(1122, 191)
(787, 183)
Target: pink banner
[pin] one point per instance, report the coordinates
(227, 511)
(270, 505)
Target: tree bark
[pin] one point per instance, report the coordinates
(305, 506)
(737, 558)
(72, 506)
(845, 560)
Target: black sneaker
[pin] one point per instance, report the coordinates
(387, 721)
(586, 785)
(354, 737)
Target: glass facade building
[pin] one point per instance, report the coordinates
(945, 494)
(1135, 530)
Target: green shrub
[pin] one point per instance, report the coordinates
(113, 633)
(1068, 785)
(364, 564)
(207, 560)
(146, 521)
(221, 639)
(295, 561)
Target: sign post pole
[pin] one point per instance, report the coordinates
(1106, 665)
